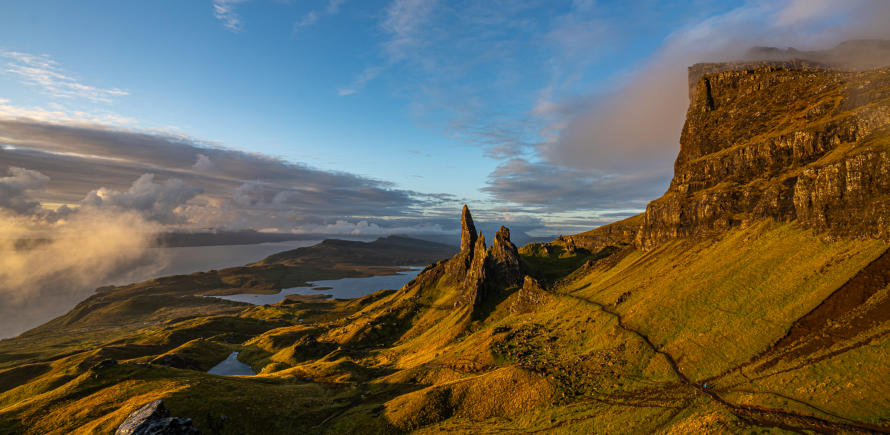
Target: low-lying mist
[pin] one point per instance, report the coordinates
(46, 268)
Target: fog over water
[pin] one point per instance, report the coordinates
(45, 294)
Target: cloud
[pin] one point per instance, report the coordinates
(639, 125)
(15, 188)
(224, 11)
(58, 115)
(183, 181)
(332, 8)
(803, 11)
(359, 83)
(204, 164)
(54, 258)
(46, 268)
(404, 20)
(404, 23)
(543, 187)
(156, 201)
(43, 72)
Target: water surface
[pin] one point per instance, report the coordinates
(343, 288)
(232, 367)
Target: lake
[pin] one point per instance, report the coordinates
(232, 367)
(344, 288)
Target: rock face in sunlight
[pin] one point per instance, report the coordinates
(482, 270)
(154, 419)
(529, 297)
(784, 142)
(467, 230)
(753, 296)
(504, 260)
(788, 141)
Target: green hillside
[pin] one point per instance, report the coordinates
(756, 300)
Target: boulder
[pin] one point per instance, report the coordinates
(154, 419)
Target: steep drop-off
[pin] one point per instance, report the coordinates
(753, 296)
(788, 141)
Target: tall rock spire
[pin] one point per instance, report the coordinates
(467, 230)
(504, 263)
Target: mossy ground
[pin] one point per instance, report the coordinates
(619, 347)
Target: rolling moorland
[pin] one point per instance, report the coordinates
(753, 296)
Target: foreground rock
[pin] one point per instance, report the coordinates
(154, 419)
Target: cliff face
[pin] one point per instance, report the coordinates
(782, 140)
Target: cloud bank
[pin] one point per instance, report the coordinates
(639, 125)
(47, 267)
(180, 181)
(474, 61)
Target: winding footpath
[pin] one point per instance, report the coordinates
(758, 415)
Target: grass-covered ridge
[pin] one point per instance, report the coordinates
(728, 307)
(634, 339)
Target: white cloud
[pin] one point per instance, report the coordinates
(332, 8)
(224, 11)
(15, 190)
(204, 164)
(75, 255)
(57, 114)
(404, 21)
(157, 201)
(366, 76)
(804, 10)
(43, 72)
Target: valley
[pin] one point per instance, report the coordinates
(753, 296)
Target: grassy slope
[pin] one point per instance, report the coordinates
(407, 360)
(714, 301)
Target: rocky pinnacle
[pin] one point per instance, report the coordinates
(467, 230)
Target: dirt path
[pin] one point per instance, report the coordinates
(814, 331)
(758, 415)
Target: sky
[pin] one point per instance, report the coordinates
(340, 116)
(123, 119)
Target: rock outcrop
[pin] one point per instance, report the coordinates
(479, 272)
(786, 141)
(467, 230)
(474, 284)
(503, 260)
(792, 139)
(529, 297)
(154, 419)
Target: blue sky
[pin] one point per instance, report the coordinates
(511, 106)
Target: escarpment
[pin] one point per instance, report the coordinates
(791, 141)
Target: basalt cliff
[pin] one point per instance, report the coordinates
(753, 297)
(784, 140)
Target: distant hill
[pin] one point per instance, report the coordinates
(217, 238)
(753, 297)
(385, 251)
